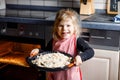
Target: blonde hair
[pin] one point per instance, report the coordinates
(64, 14)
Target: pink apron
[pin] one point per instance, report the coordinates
(67, 46)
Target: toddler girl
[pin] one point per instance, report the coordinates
(66, 38)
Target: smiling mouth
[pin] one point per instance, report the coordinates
(65, 33)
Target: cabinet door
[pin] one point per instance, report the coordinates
(103, 66)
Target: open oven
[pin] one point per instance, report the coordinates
(17, 40)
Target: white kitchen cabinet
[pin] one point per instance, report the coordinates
(103, 66)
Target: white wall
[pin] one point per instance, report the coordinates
(99, 4)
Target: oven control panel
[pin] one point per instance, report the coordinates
(22, 30)
(104, 37)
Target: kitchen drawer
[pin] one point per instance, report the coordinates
(104, 37)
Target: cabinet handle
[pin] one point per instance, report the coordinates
(100, 37)
(97, 37)
(109, 38)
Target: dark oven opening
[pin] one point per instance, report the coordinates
(16, 42)
(13, 53)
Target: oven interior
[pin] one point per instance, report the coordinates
(17, 41)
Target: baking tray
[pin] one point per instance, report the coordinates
(29, 61)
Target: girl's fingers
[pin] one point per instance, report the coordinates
(78, 60)
(34, 52)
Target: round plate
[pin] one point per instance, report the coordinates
(29, 60)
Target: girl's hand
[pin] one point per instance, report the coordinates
(34, 52)
(78, 60)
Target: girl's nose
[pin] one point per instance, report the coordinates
(64, 27)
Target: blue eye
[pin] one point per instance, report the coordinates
(68, 25)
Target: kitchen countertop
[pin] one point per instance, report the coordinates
(95, 21)
(100, 21)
